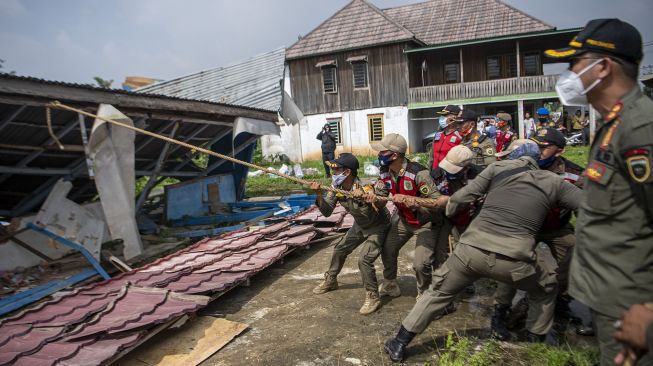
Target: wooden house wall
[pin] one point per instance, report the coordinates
(474, 61)
(387, 82)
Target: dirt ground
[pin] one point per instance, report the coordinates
(289, 325)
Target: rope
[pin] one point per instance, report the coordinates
(48, 120)
(58, 105)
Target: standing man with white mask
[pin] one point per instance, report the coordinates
(612, 265)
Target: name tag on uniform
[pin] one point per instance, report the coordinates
(599, 173)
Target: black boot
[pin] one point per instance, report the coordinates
(396, 347)
(535, 338)
(498, 323)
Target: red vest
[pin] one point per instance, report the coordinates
(406, 184)
(442, 143)
(503, 139)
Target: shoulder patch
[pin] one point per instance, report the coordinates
(639, 168)
(424, 189)
(489, 151)
(437, 136)
(408, 185)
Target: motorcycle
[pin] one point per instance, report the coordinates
(574, 139)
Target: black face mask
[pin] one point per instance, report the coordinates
(543, 119)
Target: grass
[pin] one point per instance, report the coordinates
(462, 351)
(577, 154)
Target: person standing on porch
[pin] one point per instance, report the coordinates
(529, 125)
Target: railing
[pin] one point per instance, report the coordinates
(483, 89)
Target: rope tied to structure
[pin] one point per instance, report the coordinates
(401, 199)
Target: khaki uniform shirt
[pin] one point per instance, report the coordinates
(612, 267)
(514, 209)
(483, 149)
(367, 218)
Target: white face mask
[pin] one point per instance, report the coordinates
(570, 88)
(337, 179)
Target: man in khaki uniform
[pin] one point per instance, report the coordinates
(612, 265)
(402, 177)
(480, 144)
(556, 230)
(369, 229)
(499, 243)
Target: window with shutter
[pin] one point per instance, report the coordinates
(360, 74)
(329, 79)
(375, 123)
(335, 129)
(531, 64)
(451, 72)
(494, 67)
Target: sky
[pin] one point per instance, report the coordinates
(75, 40)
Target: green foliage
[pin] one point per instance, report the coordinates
(103, 83)
(577, 154)
(461, 351)
(142, 181)
(544, 355)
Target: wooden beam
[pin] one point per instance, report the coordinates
(43, 92)
(69, 126)
(240, 148)
(11, 117)
(157, 169)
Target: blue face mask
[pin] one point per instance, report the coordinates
(443, 121)
(450, 176)
(545, 163)
(385, 160)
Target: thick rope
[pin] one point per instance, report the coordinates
(58, 105)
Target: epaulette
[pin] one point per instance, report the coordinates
(414, 167)
(368, 188)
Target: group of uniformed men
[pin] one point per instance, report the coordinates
(498, 206)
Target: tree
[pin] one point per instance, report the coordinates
(102, 83)
(1, 66)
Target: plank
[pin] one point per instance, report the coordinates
(189, 345)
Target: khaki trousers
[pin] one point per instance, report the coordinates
(468, 264)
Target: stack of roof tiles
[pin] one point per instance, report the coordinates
(95, 324)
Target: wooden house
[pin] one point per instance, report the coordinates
(367, 71)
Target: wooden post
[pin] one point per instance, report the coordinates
(462, 79)
(518, 65)
(520, 118)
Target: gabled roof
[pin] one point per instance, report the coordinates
(444, 21)
(358, 24)
(253, 83)
(361, 24)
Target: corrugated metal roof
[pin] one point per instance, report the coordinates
(255, 83)
(91, 325)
